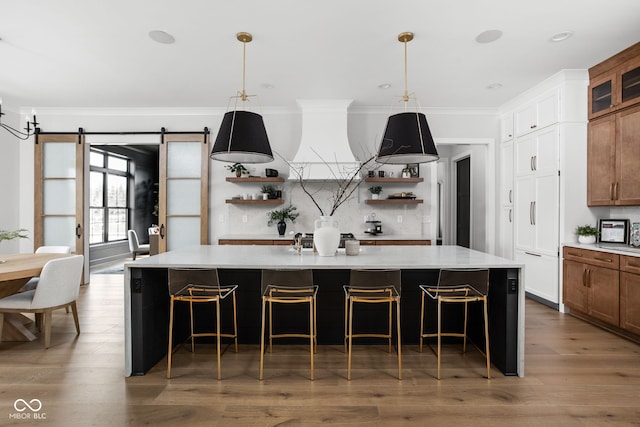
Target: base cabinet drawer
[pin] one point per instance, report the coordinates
(630, 302)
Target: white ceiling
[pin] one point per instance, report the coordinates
(97, 53)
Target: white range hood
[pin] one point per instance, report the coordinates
(324, 152)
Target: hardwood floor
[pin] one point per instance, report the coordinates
(576, 374)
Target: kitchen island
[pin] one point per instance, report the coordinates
(147, 302)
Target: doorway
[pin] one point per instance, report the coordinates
(463, 201)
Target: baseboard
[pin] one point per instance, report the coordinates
(543, 301)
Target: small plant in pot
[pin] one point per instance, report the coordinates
(280, 216)
(587, 234)
(10, 235)
(238, 168)
(268, 192)
(375, 192)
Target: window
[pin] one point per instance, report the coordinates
(108, 197)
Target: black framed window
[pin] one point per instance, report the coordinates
(108, 197)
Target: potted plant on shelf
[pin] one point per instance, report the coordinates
(587, 234)
(280, 216)
(238, 168)
(268, 192)
(375, 192)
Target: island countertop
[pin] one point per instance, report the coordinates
(357, 236)
(402, 257)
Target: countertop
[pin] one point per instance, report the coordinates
(258, 257)
(623, 250)
(358, 236)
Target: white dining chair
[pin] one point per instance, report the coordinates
(33, 282)
(134, 245)
(58, 287)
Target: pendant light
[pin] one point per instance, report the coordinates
(407, 138)
(242, 137)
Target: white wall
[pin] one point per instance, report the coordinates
(9, 195)
(284, 130)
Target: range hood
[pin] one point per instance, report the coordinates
(324, 152)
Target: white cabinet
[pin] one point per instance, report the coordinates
(506, 173)
(537, 192)
(540, 275)
(506, 127)
(505, 232)
(540, 113)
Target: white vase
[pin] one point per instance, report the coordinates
(587, 240)
(375, 196)
(326, 236)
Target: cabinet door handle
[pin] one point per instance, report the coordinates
(533, 126)
(510, 196)
(588, 278)
(584, 277)
(611, 191)
(535, 163)
(534, 213)
(574, 254)
(615, 191)
(162, 231)
(511, 219)
(603, 259)
(529, 253)
(531, 213)
(531, 162)
(78, 231)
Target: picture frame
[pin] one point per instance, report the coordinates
(414, 169)
(613, 231)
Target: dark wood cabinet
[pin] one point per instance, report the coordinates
(614, 130)
(630, 294)
(613, 154)
(614, 84)
(591, 284)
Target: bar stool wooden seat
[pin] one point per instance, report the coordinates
(288, 287)
(373, 287)
(461, 286)
(198, 286)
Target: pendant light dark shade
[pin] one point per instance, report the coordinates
(407, 139)
(242, 138)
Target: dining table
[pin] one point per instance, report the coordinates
(15, 271)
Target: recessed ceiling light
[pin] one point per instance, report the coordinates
(488, 36)
(562, 36)
(161, 37)
(494, 86)
(384, 86)
(267, 86)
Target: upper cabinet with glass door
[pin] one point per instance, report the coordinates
(615, 83)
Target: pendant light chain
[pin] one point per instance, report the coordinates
(406, 79)
(244, 70)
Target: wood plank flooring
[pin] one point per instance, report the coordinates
(576, 375)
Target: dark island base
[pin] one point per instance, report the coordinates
(150, 314)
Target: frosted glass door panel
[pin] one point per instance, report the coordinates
(60, 197)
(182, 232)
(184, 197)
(60, 160)
(183, 159)
(60, 231)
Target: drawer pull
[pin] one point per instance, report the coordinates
(603, 259)
(574, 254)
(529, 253)
(633, 265)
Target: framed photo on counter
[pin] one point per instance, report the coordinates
(414, 169)
(614, 230)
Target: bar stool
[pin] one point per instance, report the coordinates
(460, 286)
(372, 287)
(288, 287)
(195, 286)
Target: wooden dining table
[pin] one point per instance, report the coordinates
(15, 271)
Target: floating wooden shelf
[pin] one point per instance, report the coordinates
(255, 179)
(394, 202)
(255, 202)
(394, 180)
